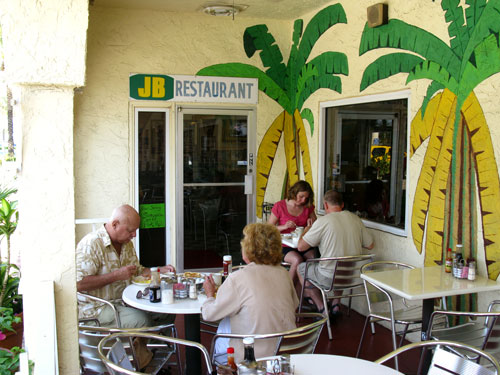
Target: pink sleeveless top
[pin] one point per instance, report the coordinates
(280, 211)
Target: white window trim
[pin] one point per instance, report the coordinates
(403, 94)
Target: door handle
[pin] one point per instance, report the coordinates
(248, 184)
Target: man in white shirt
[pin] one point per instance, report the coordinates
(338, 233)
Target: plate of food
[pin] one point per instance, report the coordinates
(141, 280)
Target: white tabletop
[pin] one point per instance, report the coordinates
(313, 364)
(180, 306)
(290, 240)
(428, 282)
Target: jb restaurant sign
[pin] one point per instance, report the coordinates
(193, 88)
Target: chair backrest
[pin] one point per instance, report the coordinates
(483, 331)
(88, 340)
(375, 294)
(445, 362)
(348, 270)
(301, 340)
(115, 368)
(82, 297)
(89, 335)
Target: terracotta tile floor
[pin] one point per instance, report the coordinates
(346, 335)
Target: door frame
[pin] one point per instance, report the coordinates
(250, 112)
(166, 110)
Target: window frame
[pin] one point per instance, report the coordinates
(404, 94)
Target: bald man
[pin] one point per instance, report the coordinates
(105, 263)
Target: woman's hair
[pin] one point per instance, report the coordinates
(262, 243)
(298, 187)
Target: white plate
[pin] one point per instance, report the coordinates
(287, 235)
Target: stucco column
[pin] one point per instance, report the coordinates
(46, 227)
(45, 48)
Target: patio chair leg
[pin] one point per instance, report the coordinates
(362, 336)
(403, 335)
(326, 312)
(349, 305)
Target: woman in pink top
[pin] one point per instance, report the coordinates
(297, 210)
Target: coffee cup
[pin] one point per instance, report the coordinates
(217, 278)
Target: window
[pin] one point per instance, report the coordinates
(364, 157)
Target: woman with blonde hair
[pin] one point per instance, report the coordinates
(259, 298)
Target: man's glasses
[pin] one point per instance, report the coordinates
(143, 294)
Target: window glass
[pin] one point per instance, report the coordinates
(365, 159)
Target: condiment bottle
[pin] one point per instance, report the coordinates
(155, 277)
(154, 287)
(472, 270)
(249, 364)
(227, 264)
(230, 359)
(449, 262)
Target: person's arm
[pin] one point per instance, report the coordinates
(93, 282)
(303, 245)
(274, 221)
(312, 218)
(227, 302)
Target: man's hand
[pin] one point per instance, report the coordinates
(125, 272)
(167, 268)
(209, 286)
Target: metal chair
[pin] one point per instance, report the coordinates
(483, 331)
(114, 368)
(446, 362)
(385, 306)
(301, 340)
(90, 333)
(346, 277)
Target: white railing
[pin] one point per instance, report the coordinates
(93, 222)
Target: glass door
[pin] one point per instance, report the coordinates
(215, 182)
(151, 163)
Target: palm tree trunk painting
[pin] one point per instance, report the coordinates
(289, 85)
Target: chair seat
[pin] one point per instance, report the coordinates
(472, 333)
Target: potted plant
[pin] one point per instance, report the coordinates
(10, 300)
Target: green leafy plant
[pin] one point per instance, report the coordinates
(10, 300)
(382, 164)
(7, 318)
(9, 360)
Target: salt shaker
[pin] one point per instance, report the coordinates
(472, 270)
(167, 293)
(193, 293)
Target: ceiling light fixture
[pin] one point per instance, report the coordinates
(223, 10)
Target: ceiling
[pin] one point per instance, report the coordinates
(278, 9)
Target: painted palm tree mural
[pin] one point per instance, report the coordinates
(290, 85)
(459, 169)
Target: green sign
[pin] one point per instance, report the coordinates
(152, 215)
(151, 87)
